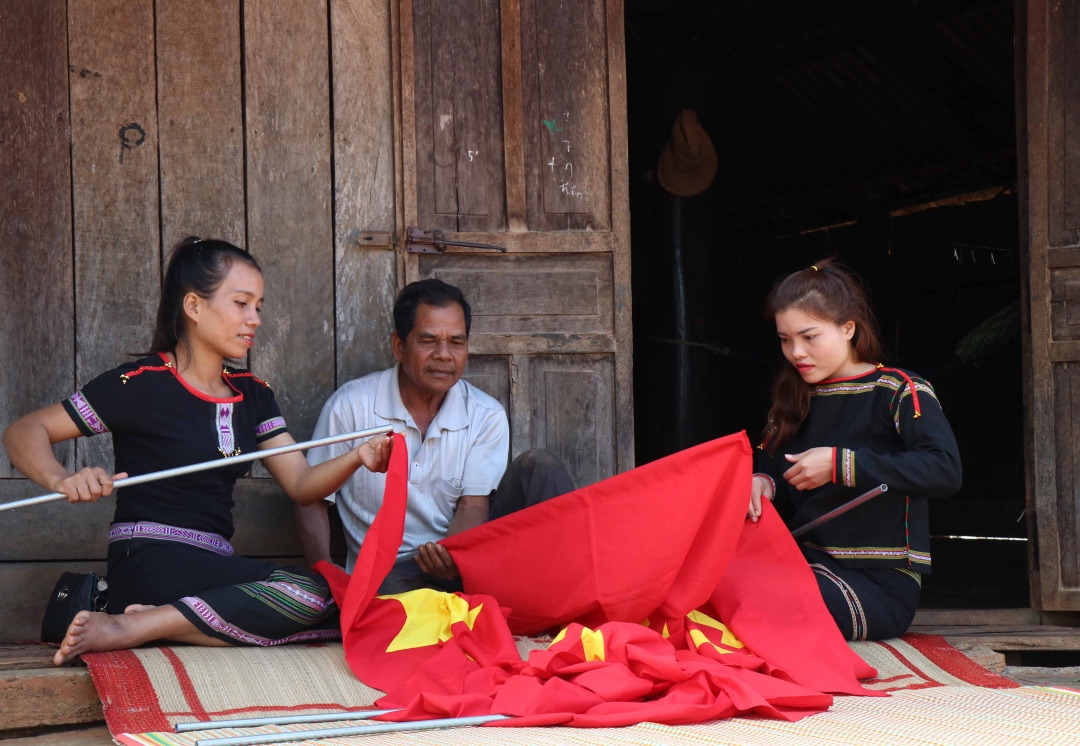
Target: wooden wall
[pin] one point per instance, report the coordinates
(126, 125)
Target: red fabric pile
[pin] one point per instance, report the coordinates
(673, 608)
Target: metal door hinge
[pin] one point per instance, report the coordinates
(435, 242)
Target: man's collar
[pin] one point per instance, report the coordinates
(452, 414)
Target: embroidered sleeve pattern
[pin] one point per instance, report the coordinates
(269, 428)
(847, 466)
(88, 419)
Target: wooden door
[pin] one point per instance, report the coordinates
(513, 133)
(1050, 145)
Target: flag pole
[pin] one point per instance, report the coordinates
(207, 465)
(325, 717)
(840, 511)
(358, 730)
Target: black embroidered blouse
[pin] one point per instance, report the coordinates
(160, 422)
(885, 427)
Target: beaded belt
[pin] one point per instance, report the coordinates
(146, 530)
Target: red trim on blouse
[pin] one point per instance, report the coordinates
(205, 397)
(848, 378)
(246, 374)
(834, 465)
(911, 385)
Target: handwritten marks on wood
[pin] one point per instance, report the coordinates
(114, 151)
(460, 181)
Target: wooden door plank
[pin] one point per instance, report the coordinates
(620, 227)
(567, 143)
(289, 190)
(363, 184)
(490, 374)
(572, 412)
(513, 124)
(530, 294)
(1053, 387)
(115, 188)
(200, 108)
(37, 308)
(537, 242)
(460, 180)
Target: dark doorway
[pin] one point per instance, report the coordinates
(883, 134)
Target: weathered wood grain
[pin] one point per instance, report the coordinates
(61, 531)
(536, 242)
(289, 195)
(37, 339)
(620, 228)
(564, 77)
(513, 124)
(458, 108)
(200, 110)
(572, 400)
(490, 374)
(48, 696)
(363, 184)
(115, 188)
(88, 735)
(1054, 407)
(530, 294)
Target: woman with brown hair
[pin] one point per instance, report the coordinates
(172, 573)
(841, 423)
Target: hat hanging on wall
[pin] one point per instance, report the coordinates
(688, 164)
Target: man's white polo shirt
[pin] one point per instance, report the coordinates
(465, 453)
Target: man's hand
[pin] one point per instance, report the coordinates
(435, 561)
(760, 486)
(374, 454)
(812, 468)
(87, 485)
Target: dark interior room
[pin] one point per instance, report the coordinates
(882, 134)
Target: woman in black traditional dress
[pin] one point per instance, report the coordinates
(171, 569)
(841, 424)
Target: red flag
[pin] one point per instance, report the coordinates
(662, 547)
(651, 541)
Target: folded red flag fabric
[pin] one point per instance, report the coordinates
(671, 608)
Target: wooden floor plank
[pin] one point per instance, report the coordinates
(92, 735)
(47, 696)
(1008, 637)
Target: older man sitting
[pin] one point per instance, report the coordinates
(458, 439)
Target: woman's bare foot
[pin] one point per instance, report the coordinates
(136, 608)
(90, 632)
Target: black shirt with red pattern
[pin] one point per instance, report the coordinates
(158, 421)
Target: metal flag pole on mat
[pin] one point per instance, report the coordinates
(358, 730)
(840, 511)
(324, 717)
(207, 465)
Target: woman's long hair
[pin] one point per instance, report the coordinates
(195, 266)
(831, 292)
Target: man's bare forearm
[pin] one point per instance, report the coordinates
(472, 510)
(313, 531)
